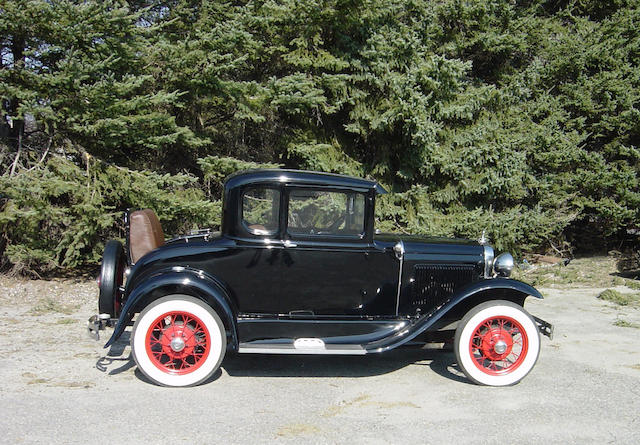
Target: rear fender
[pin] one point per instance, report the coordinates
(187, 281)
(479, 292)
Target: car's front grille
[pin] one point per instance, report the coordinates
(434, 284)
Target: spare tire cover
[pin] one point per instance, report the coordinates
(111, 278)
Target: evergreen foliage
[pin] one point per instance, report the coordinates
(61, 215)
(518, 118)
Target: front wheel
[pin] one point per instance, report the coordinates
(178, 340)
(497, 343)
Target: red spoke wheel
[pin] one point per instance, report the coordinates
(497, 343)
(178, 340)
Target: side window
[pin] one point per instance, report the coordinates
(260, 210)
(320, 212)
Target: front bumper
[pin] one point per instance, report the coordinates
(544, 327)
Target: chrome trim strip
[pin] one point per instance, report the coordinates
(488, 255)
(400, 255)
(255, 350)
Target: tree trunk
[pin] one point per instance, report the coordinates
(13, 127)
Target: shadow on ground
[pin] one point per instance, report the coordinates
(442, 362)
(115, 357)
(264, 365)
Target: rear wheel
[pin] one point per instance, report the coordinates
(178, 340)
(497, 343)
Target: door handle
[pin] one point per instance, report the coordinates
(289, 243)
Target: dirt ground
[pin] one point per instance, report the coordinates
(59, 386)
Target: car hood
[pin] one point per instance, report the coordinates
(422, 239)
(415, 244)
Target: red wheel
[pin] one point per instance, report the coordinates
(497, 343)
(178, 340)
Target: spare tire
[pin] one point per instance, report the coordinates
(111, 279)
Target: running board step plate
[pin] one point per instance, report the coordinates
(300, 346)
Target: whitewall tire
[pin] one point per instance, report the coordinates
(497, 343)
(178, 340)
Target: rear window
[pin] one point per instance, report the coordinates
(260, 210)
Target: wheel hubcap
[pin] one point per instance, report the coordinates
(178, 342)
(498, 345)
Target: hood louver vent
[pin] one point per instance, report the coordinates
(434, 284)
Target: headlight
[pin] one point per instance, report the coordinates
(503, 265)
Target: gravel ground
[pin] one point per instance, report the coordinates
(58, 386)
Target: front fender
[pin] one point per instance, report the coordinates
(191, 281)
(496, 283)
(428, 320)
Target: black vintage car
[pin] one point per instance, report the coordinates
(299, 268)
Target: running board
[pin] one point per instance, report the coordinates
(300, 346)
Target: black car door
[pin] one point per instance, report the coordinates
(328, 267)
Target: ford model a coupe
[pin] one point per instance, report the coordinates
(298, 268)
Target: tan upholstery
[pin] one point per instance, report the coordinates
(145, 233)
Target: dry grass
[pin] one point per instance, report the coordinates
(626, 324)
(297, 429)
(619, 298)
(599, 272)
(48, 305)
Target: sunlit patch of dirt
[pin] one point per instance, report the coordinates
(297, 429)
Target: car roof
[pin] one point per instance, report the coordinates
(300, 177)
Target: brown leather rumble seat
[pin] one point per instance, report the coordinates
(145, 233)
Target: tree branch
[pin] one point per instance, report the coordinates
(15, 161)
(44, 155)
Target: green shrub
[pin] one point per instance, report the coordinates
(60, 215)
